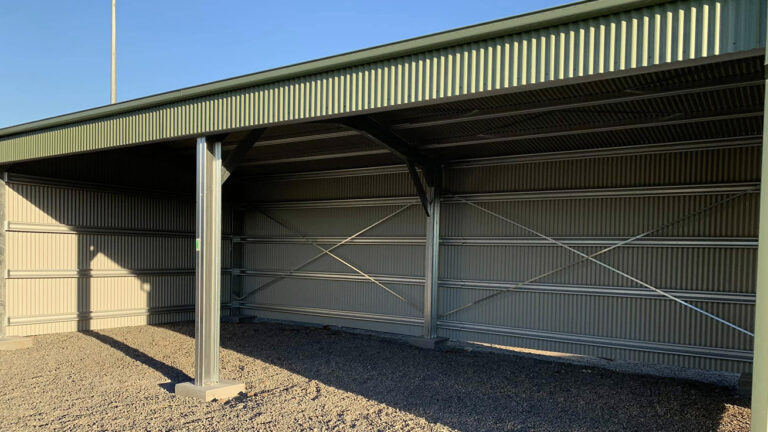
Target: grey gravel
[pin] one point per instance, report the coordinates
(303, 378)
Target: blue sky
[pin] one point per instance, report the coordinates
(54, 54)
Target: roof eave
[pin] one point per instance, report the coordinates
(540, 19)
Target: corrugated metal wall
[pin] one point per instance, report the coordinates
(665, 33)
(276, 242)
(89, 256)
(589, 203)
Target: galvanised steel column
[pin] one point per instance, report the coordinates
(207, 385)
(760, 359)
(431, 261)
(207, 262)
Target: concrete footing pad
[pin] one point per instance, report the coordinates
(11, 343)
(223, 390)
(425, 343)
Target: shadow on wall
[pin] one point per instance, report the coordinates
(462, 390)
(118, 273)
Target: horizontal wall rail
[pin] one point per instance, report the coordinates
(361, 316)
(701, 189)
(704, 189)
(663, 348)
(693, 242)
(69, 229)
(96, 273)
(404, 280)
(727, 296)
(718, 242)
(92, 315)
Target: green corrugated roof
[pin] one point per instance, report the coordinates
(538, 19)
(575, 40)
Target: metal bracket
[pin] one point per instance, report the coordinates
(413, 158)
(236, 156)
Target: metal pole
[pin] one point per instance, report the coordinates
(431, 263)
(113, 81)
(208, 263)
(760, 359)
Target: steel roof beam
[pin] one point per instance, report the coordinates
(236, 156)
(384, 136)
(507, 112)
(568, 132)
(412, 156)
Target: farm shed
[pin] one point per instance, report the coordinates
(584, 179)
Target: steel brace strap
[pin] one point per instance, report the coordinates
(585, 257)
(329, 252)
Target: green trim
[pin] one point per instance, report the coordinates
(520, 23)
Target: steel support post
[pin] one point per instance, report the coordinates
(207, 262)
(431, 261)
(207, 385)
(760, 359)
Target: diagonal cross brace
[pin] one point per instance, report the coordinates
(598, 253)
(236, 156)
(341, 260)
(591, 257)
(316, 257)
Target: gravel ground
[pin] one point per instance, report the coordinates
(303, 378)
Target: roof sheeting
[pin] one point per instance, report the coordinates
(514, 53)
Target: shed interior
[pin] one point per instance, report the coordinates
(671, 153)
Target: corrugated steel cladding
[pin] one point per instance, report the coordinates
(82, 257)
(709, 260)
(647, 36)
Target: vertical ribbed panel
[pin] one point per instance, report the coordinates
(584, 301)
(82, 257)
(608, 217)
(665, 33)
(44, 204)
(718, 165)
(396, 260)
(709, 269)
(336, 222)
(366, 186)
(346, 296)
(709, 260)
(327, 283)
